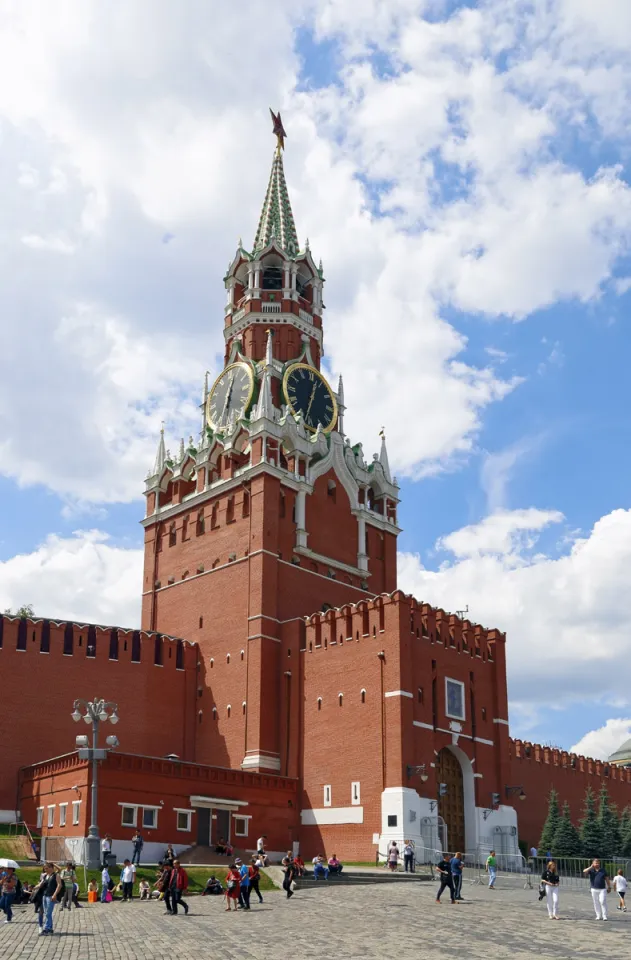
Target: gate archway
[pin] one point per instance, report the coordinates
(451, 806)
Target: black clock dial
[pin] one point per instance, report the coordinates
(231, 392)
(307, 391)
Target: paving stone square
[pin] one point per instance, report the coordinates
(395, 921)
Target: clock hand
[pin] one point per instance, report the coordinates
(228, 396)
(311, 400)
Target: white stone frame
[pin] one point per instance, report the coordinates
(76, 811)
(50, 818)
(453, 716)
(129, 806)
(40, 817)
(63, 814)
(246, 821)
(154, 825)
(189, 820)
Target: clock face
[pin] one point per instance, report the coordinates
(231, 391)
(307, 391)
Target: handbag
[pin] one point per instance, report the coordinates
(108, 897)
(232, 884)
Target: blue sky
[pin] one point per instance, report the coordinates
(463, 170)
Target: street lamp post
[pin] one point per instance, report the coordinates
(94, 712)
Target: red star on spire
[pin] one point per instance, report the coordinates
(278, 129)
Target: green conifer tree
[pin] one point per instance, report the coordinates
(590, 832)
(566, 841)
(609, 825)
(551, 824)
(625, 832)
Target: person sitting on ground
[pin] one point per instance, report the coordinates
(320, 868)
(213, 888)
(93, 891)
(220, 847)
(144, 890)
(334, 865)
(299, 865)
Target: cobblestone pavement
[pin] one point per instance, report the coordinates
(337, 923)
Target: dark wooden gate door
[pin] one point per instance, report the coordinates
(203, 826)
(451, 805)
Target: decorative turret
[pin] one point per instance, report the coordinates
(161, 454)
(383, 457)
(276, 284)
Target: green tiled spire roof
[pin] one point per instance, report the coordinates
(277, 220)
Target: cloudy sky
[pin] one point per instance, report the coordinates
(463, 171)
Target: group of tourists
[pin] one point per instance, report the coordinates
(600, 884)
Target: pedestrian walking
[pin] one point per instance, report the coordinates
(69, 878)
(127, 880)
(289, 869)
(600, 886)
(446, 879)
(491, 869)
(550, 881)
(620, 886)
(255, 877)
(456, 873)
(244, 887)
(233, 882)
(408, 857)
(52, 891)
(178, 885)
(138, 844)
(8, 891)
(162, 885)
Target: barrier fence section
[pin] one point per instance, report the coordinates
(62, 850)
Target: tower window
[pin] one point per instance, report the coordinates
(244, 707)
(213, 517)
(282, 505)
(227, 658)
(172, 535)
(340, 699)
(272, 278)
(229, 708)
(201, 523)
(212, 663)
(419, 695)
(185, 528)
(230, 510)
(246, 503)
(363, 696)
(319, 703)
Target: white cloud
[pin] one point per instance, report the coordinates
(120, 128)
(567, 617)
(83, 577)
(604, 741)
(497, 469)
(504, 532)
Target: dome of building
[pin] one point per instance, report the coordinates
(622, 756)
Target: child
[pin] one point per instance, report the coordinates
(93, 891)
(234, 883)
(144, 889)
(620, 886)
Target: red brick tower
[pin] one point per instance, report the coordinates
(272, 515)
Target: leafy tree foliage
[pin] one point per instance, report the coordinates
(566, 841)
(590, 829)
(551, 824)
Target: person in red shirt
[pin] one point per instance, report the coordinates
(233, 879)
(300, 866)
(178, 885)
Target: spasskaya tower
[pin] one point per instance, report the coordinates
(272, 514)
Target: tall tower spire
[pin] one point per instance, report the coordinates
(161, 455)
(277, 219)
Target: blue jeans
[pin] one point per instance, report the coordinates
(135, 857)
(49, 906)
(492, 876)
(5, 904)
(319, 870)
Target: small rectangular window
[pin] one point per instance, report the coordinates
(240, 826)
(76, 804)
(149, 818)
(128, 816)
(62, 814)
(51, 816)
(454, 699)
(392, 820)
(355, 793)
(327, 795)
(184, 820)
(40, 816)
